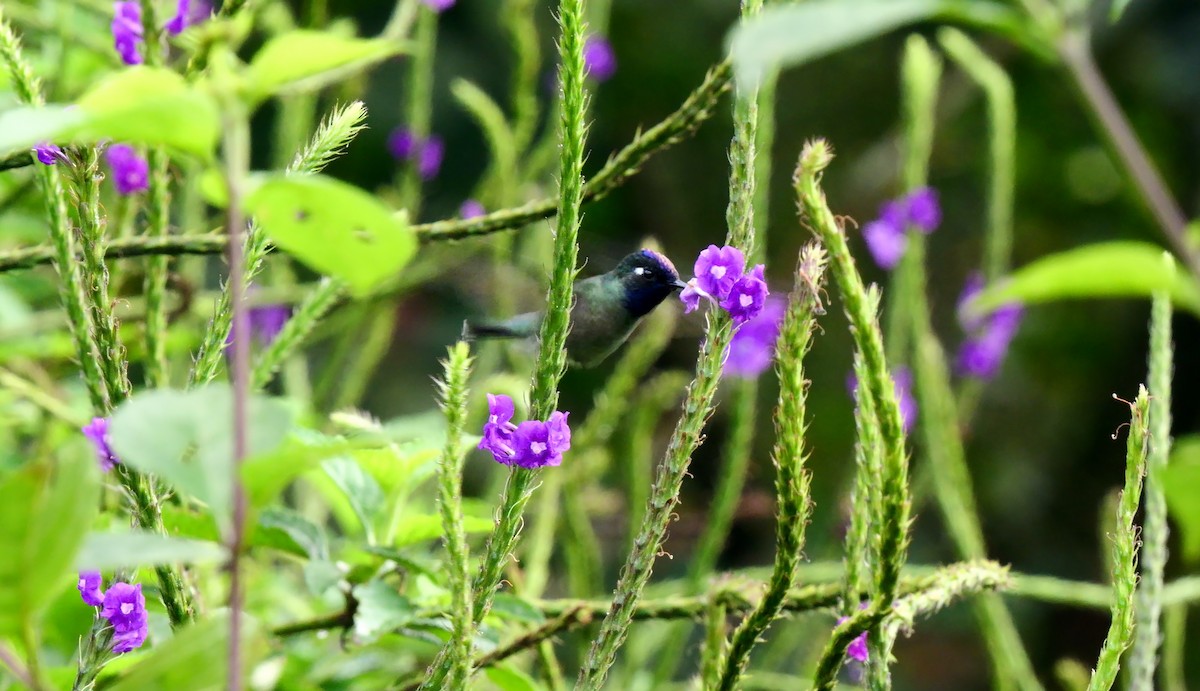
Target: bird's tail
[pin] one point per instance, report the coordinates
(472, 331)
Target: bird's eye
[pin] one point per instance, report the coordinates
(640, 271)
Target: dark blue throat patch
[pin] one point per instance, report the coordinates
(641, 300)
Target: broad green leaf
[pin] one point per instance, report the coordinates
(361, 490)
(305, 60)
(508, 678)
(414, 528)
(380, 610)
(139, 105)
(1108, 269)
(787, 35)
(309, 536)
(195, 658)
(320, 576)
(334, 227)
(509, 606)
(1181, 484)
(103, 551)
(186, 438)
(1117, 9)
(44, 514)
(265, 476)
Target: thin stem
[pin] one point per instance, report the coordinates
(18, 670)
(1076, 55)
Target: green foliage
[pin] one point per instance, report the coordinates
(303, 60)
(194, 659)
(45, 512)
(380, 610)
(336, 228)
(1108, 269)
(186, 438)
(1181, 483)
(124, 550)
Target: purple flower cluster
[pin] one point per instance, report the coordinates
(124, 607)
(857, 650)
(721, 277)
(96, 432)
(988, 336)
(49, 154)
(471, 208)
(531, 444)
(426, 153)
(439, 5)
(188, 13)
(599, 58)
(902, 382)
(753, 346)
(266, 321)
(127, 31)
(131, 172)
(885, 236)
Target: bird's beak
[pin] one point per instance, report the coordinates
(678, 284)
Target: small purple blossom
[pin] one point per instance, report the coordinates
(89, 588)
(97, 432)
(49, 154)
(753, 346)
(127, 31)
(886, 235)
(424, 152)
(857, 650)
(266, 321)
(691, 297)
(747, 296)
(717, 269)
(131, 172)
(498, 430)
(988, 336)
(886, 243)
(599, 59)
(188, 13)
(471, 208)
(439, 5)
(125, 608)
(540, 444)
(429, 160)
(924, 211)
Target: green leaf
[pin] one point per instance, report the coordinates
(103, 551)
(789, 35)
(305, 60)
(265, 476)
(508, 678)
(1117, 9)
(186, 438)
(307, 535)
(1181, 484)
(414, 528)
(380, 610)
(195, 658)
(514, 608)
(361, 490)
(149, 106)
(334, 227)
(44, 514)
(1107, 269)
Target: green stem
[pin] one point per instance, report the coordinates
(1174, 662)
(1124, 549)
(158, 217)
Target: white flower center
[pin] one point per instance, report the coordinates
(537, 447)
(126, 607)
(82, 583)
(745, 300)
(718, 272)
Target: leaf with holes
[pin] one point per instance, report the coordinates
(334, 227)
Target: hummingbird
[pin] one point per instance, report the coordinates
(607, 308)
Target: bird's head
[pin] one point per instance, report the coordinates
(646, 278)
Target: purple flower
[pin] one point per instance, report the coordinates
(717, 269)
(97, 432)
(857, 650)
(125, 608)
(902, 385)
(924, 211)
(691, 296)
(471, 208)
(187, 13)
(439, 5)
(89, 588)
(49, 154)
(267, 321)
(498, 430)
(747, 296)
(753, 345)
(982, 353)
(886, 243)
(429, 159)
(599, 59)
(127, 31)
(402, 142)
(130, 171)
(540, 444)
